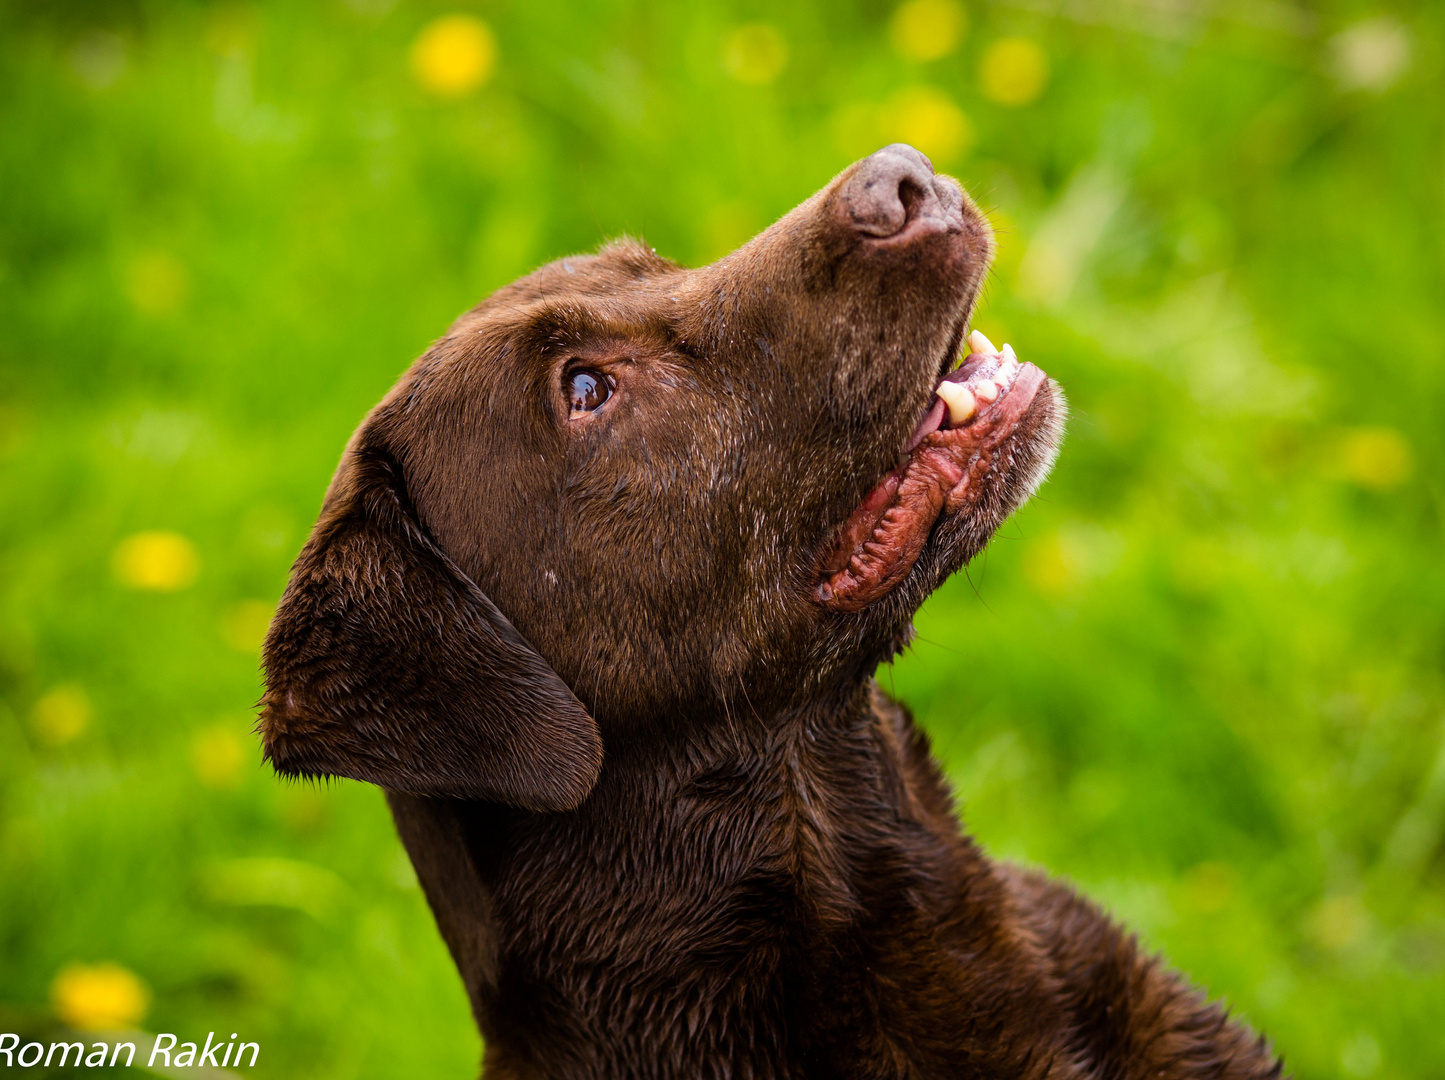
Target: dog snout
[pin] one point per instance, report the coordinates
(892, 188)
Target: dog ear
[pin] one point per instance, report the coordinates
(386, 663)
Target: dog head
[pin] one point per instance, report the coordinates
(619, 490)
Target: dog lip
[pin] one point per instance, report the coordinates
(879, 543)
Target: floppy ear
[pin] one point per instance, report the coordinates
(386, 663)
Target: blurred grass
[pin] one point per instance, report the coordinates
(1201, 674)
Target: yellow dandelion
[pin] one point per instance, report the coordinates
(1210, 886)
(218, 756)
(1376, 457)
(61, 715)
(231, 30)
(156, 560)
(928, 29)
(157, 284)
(755, 54)
(303, 809)
(454, 55)
(1339, 922)
(927, 119)
(1050, 566)
(244, 625)
(1014, 71)
(99, 997)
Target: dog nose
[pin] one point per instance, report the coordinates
(890, 188)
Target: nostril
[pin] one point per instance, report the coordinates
(912, 196)
(888, 190)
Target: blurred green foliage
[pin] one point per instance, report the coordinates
(1201, 674)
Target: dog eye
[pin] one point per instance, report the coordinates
(586, 391)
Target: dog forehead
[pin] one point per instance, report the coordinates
(621, 268)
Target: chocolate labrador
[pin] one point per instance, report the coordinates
(597, 595)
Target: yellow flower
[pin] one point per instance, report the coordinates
(157, 283)
(928, 29)
(1376, 457)
(1050, 566)
(245, 624)
(1014, 71)
(453, 55)
(156, 560)
(755, 54)
(1339, 922)
(1210, 886)
(61, 715)
(218, 755)
(99, 997)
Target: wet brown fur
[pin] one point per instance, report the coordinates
(667, 822)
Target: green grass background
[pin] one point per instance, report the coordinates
(1201, 675)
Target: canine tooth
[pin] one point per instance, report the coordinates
(1009, 354)
(959, 400)
(980, 344)
(985, 391)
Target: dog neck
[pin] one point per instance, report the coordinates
(727, 894)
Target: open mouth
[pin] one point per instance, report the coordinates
(962, 441)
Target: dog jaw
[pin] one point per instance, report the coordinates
(963, 446)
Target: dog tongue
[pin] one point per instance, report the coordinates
(931, 419)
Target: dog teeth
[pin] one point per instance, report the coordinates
(965, 399)
(977, 343)
(960, 401)
(1007, 370)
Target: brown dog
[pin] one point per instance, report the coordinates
(597, 594)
